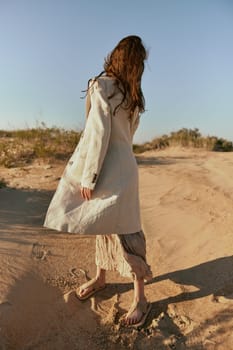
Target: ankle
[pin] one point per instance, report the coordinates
(100, 272)
(100, 278)
(140, 299)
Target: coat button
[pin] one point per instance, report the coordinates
(94, 178)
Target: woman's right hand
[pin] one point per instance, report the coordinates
(86, 193)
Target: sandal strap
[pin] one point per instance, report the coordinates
(90, 283)
(141, 305)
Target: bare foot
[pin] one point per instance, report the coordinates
(136, 312)
(93, 285)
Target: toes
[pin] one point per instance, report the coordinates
(126, 321)
(82, 292)
(131, 320)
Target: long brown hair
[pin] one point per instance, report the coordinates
(126, 64)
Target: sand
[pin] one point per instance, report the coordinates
(186, 200)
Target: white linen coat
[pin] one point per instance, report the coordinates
(104, 162)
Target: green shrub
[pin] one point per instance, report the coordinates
(186, 138)
(222, 145)
(20, 147)
(2, 183)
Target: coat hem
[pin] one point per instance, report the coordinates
(59, 229)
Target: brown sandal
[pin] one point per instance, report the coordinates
(145, 309)
(94, 289)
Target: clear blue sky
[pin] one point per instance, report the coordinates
(50, 48)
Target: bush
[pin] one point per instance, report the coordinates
(186, 138)
(20, 147)
(222, 145)
(2, 183)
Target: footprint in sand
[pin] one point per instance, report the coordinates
(183, 322)
(39, 252)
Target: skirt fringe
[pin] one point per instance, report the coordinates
(123, 253)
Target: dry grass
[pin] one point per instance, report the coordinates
(20, 147)
(186, 138)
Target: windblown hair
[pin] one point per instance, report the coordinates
(126, 64)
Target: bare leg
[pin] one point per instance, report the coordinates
(98, 280)
(135, 314)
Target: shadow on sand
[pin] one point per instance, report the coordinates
(209, 277)
(213, 278)
(56, 316)
(38, 316)
(168, 160)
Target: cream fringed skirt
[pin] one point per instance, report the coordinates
(124, 253)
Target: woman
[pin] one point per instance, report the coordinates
(98, 192)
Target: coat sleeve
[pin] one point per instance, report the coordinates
(98, 129)
(134, 122)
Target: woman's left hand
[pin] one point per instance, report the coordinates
(86, 193)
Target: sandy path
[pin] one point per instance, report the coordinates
(187, 201)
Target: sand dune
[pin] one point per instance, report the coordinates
(187, 201)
